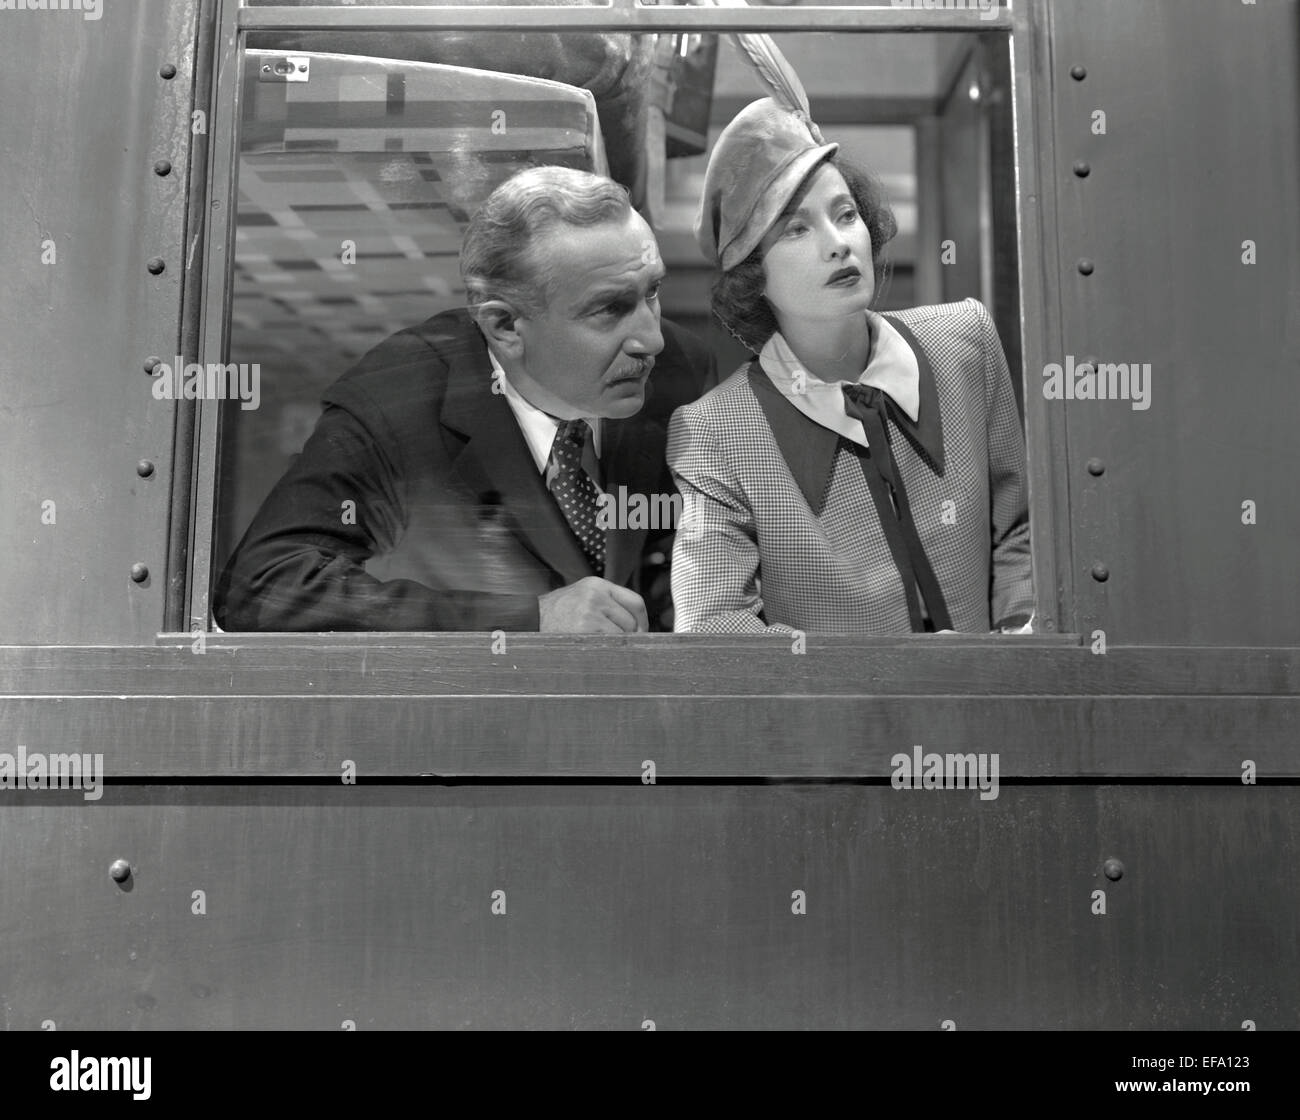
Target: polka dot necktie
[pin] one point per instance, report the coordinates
(576, 494)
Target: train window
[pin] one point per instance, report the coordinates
(358, 156)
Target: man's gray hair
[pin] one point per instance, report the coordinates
(497, 259)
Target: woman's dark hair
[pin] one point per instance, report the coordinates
(738, 299)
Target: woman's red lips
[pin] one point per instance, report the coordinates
(844, 274)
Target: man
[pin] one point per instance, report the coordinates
(452, 482)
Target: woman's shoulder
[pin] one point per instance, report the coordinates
(732, 396)
(968, 312)
(959, 339)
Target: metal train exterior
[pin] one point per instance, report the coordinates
(332, 831)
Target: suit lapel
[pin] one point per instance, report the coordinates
(632, 454)
(496, 457)
(926, 434)
(807, 447)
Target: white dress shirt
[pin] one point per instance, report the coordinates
(891, 368)
(539, 427)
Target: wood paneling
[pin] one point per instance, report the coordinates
(667, 903)
(546, 711)
(85, 117)
(1201, 153)
(644, 665)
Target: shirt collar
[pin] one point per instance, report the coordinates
(538, 427)
(892, 368)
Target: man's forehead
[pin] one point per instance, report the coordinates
(628, 272)
(607, 256)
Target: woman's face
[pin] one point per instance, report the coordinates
(817, 257)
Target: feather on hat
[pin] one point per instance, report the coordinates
(760, 160)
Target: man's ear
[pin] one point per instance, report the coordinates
(499, 322)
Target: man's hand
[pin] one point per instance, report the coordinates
(592, 606)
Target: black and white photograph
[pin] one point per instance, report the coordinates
(713, 516)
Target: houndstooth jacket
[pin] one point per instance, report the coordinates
(779, 531)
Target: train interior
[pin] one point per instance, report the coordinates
(357, 175)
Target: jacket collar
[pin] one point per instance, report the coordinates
(496, 458)
(806, 426)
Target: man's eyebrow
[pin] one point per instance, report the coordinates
(618, 291)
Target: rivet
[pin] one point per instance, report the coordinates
(1096, 467)
(1113, 870)
(156, 265)
(1078, 73)
(151, 363)
(1100, 573)
(1085, 266)
(162, 167)
(144, 468)
(1082, 168)
(139, 572)
(167, 71)
(120, 871)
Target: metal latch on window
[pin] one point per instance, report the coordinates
(291, 68)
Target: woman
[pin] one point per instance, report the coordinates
(865, 473)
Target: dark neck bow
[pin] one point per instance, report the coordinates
(873, 408)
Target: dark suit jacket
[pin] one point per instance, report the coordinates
(416, 505)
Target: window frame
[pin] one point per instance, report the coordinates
(189, 608)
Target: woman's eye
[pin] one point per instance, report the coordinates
(849, 216)
(792, 229)
(653, 293)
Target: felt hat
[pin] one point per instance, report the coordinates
(757, 166)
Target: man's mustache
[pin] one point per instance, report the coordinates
(635, 369)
